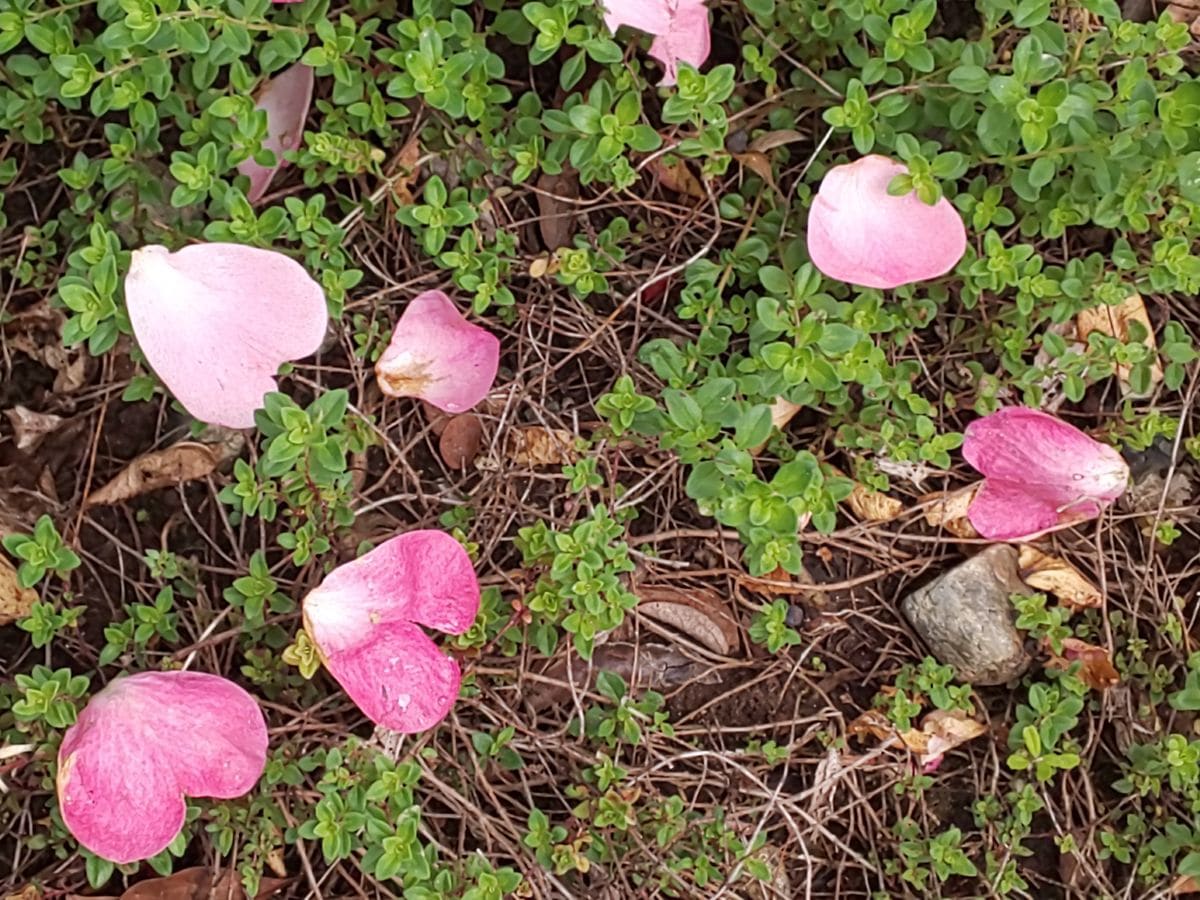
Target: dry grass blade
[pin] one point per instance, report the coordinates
(697, 612)
(1056, 576)
(15, 601)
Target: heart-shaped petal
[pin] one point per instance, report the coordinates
(861, 234)
(216, 321)
(285, 99)
(363, 620)
(438, 356)
(146, 742)
(1040, 474)
(680, 29)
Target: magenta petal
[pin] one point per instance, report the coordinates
(438, 356)
(1041, 473)
(144, 743)
(680, 29)
(860, 234)
(364, 616)
(216, 321)
(286, 99)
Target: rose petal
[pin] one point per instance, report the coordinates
(438, 356)
(860, 234)
(362, 619)
(680, 29)
(144, 743)
(1041, 473)
(216, 321)
(285, 99)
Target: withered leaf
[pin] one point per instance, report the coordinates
(1096, 668)
(533, 445)
(29, 427)
(1056, 576)
(198, 883)
(460, 440)
(948, 510)
(407, 163)
(556, 216)
(1114, 321)
(697, 612)
(185, 461)
(677, 177)
(644, 667)
(940, 732)
(15, 601)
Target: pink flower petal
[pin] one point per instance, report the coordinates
(860, 234)
(144, 743)
(363, 619)
(216, 321)
(1041, 474)
(438, 356)
(286, 99)
(680, 29)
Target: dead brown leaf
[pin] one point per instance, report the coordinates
(15, 601)
(948, 510)
(1114, 321)
(460, 440)
(198, 883)
(556, 216)
(677, 177)
(533, 445)
(1096, 669)
(765, 143)
(1185, 884)
(941, 731)
(758, 164)
(185, 461)
(782, 411)
(29, 892)
(29, 427)
(643, 666)
(1187, 12)
(1056, 576)
(697, 612)
(408, 162)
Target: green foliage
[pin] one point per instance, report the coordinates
(40, 552)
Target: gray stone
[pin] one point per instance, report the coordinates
(967, 621)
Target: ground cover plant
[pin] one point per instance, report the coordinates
(486, 449)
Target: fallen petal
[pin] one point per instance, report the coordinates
(364, 616)
(286, 99)
(438, 356)
(861, 234)
(1040, 474)
(680, 29)
(216, 321)
(146, 742)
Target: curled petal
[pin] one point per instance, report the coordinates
(216, 321)
(680, 29)
(1040, 474)
(285, 99)
(861, 234)
(438, 356)
(146, 742)
(363, 619)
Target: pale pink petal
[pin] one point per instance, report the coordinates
(680, 29)
(216, 321)
(144, 743)
(363, 619)
(860, 234)
(1040, 474)
(438, 356)
(286, 99)
(653, 17)
(687, 40)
